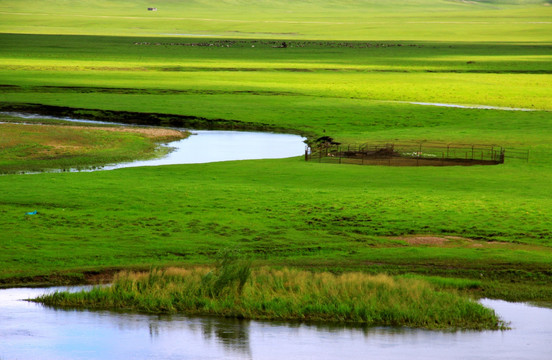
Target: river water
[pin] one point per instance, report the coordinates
(206, 146)
(216, 145)
(32, 331)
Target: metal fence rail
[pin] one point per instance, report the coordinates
(517, 154)
(413, 154)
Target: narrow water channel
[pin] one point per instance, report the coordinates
(32, 331)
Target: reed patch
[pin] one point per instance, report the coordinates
(285, 294)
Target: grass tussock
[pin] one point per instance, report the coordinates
(234, 290)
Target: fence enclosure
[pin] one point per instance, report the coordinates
(411, 154)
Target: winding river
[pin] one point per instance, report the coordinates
(205, 146)
(32, 331)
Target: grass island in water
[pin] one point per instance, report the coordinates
(285, 294)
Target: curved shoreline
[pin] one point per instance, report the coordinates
(210, 146)
(139, 118)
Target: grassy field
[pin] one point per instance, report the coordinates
(492, 222)
(309, 215)
(353, 93)
(507, 20)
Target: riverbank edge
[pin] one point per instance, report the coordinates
(153, 146)
(506, 288)
(148, 119)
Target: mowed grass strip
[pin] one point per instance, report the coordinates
(31, 148)
(285, 294)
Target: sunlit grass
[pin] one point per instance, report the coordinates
(328, 19)
(531, 91)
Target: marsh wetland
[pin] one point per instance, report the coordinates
(358, 72)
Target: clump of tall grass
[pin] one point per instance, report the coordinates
(234, 290)
(231, 272)
(448, 283)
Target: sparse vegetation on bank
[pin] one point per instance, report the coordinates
(35, 148)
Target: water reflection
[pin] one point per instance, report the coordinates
(233, 334)
(31, 331)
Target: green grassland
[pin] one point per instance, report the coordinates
(281, 212)
(435, 20)
(358, 88)
(352, 92)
